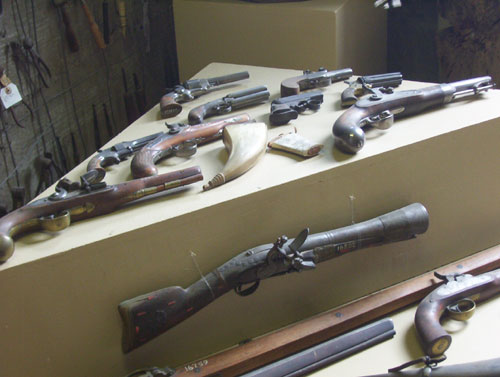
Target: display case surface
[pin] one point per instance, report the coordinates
(60, 292)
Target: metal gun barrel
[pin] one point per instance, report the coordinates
(229, 78)
(483, 368)
(383, 79)
(471, 83)
(246, 92)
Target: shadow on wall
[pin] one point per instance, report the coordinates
(446, 40)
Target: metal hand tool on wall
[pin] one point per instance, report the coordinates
(130, 105)
(22, 62)
(94, 29)
(68, 28)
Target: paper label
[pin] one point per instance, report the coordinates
(10, 95)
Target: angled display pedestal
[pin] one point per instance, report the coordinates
(60, 291)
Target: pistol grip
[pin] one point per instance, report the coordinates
(348, 97)
(169, 108)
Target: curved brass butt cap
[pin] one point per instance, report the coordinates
(6, 247)
(218, 180)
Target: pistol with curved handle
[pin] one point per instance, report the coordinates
(246, 144)
(229, 103)
(57, 211)
(170, 103)
(149, 315)
(457, 296)
(113, 156)
(365, 84)
(181, 140)
(311, 80)
(380, 109)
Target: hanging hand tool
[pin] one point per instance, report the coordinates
(22, 62)
(109, 126)
(97, 136)
(3, 32)
(70, 34)
(146, 25)
(120, 5)
(18, 195)
(130, 105)
(93, 26)
(41, 67)
(105, 21)
(140, 96)
(76, 155)
(47, 170)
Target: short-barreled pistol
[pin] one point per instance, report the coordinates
(170, 103)
(311, 80)
(365, 84)
(228, 103)
(284, 109)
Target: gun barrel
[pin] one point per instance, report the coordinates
(483, 368)
(215, 81)
(249, 99)
(470, 83)
(384, 79)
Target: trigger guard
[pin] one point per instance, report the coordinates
(186, 149)
(248, 291)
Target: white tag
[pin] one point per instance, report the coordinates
(10, 95)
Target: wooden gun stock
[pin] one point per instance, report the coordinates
(143, 163)
(169, 107)
(56, 213)
(435, 340)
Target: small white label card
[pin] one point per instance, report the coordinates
(10, 95)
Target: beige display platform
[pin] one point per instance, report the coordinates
(300, 35)
(60, 292)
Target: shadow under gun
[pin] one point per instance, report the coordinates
(365, 84)
(284, 109)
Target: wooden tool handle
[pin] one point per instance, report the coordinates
(70, 33)
(93, 27)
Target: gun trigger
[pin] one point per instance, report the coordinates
(55, 223)
(248, 291)
(461, 310)
(186, 149)
(382, 121)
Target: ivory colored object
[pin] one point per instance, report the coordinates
(246, 144)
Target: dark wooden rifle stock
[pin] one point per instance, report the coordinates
(169, 143)
(57, 211)
(147, 316)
